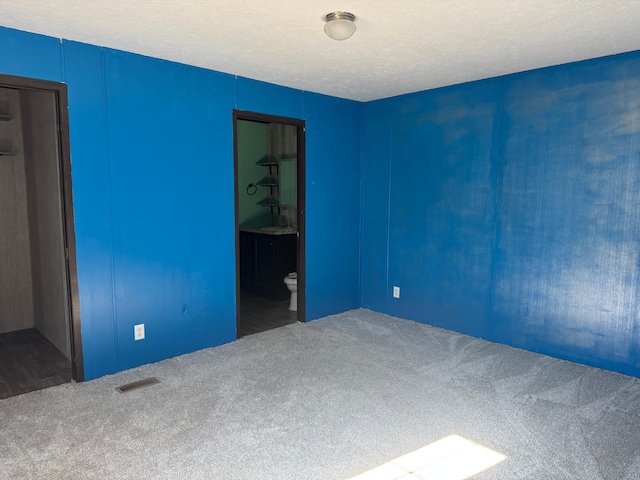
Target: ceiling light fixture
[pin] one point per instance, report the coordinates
(340, 25)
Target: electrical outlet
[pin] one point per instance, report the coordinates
(138, 331)
(396, 292)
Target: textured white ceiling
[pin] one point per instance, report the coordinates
(420, 45)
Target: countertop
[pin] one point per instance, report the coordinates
(270, 230)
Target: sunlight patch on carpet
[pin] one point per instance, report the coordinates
(452, 458)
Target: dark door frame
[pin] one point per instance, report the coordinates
(301, 201)
(60, 91)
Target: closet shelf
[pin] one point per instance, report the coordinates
(6, 147)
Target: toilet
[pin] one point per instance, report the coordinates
(291, 281)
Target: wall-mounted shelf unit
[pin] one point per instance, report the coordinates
(271, 182)
(282, 148)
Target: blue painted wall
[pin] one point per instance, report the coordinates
(152, 172)
(442, 205)
(333, 204)
(28, 55)
(513, 209)
(169, 127)
(92, 206)
(567, 265)
(376, 181)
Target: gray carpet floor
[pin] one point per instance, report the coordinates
(329, 400)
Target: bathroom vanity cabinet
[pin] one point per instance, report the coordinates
(264, 262)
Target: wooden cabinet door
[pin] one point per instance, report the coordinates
(247, 260)
(265, 261)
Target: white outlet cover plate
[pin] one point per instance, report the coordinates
(396, 292)
(138, 331)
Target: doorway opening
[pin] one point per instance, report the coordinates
(40, 344)
(269, 161)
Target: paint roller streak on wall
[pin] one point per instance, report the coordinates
(442, 204)
(570, 229)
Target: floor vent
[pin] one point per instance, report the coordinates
(136, 385)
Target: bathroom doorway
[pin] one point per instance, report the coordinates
(40, 342)
(269, 163)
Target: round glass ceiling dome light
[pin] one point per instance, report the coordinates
(340, 25)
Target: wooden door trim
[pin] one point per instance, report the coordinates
(301, 201)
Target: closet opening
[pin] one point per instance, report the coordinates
(40, 343)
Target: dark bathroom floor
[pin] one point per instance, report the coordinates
(258, 314)
(28, 362)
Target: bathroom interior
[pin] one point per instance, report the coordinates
(267, 170)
